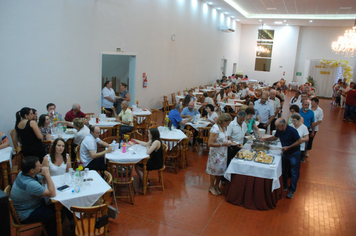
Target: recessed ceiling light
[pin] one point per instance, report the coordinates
(209, 3)
(284, 21)
(271, 8)
(278, 22)
(226, 13)
(310, 21)
(260, 20)
(232, 16)
(287, 24)
(219, 8)
(345, 8)
(237, 19)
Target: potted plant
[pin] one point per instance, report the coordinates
(311, 81)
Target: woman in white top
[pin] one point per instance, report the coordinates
(107, 96)
(303, 132)
(58, 160)
(211, 115)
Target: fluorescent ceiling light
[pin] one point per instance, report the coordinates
(209, 3)
(260, 20)
(291, 16)
(284, 21)
(232, 16)
(271, 8)
(310, 21)
(219, 8)
(278, 22)
(345, 8)
(226, 13)
(237, 19)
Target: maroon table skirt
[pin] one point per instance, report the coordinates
(252, 192)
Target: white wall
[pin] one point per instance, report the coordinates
(315, 43)
(50, 50)
(283, 53)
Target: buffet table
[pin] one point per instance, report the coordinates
(255, 185)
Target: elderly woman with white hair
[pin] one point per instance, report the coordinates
(125, 117)
(297, 123)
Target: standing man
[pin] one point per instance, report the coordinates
(318, 117)
(125, 117)
(74, 113)
(275, 102)
(51, 109)
(309, 119)
(88, 150)
(265, 110)
(291, 141)
(27, 195)
(236, 133)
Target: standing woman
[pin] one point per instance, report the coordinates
(303, 132)
(29, 134)
(58, 161)
(217, 159)
(123, 96)
(107, 96)
(256, 116)
(154, 149)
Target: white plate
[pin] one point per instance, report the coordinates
(250, 137)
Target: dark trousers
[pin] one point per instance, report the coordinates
(231, 152)
(349, 111)
(97, 164)
(310, 142)
(124, 129)
(47, 215)
(273, 125)
(292, 161)
(261, 126)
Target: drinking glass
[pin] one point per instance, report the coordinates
(86, 172)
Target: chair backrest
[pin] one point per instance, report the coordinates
(110, 139)
(165, 106)
(142, 121)
(179, 93)
(17, 146)
(91, 115)
(134, 134)
(204, 133)
(85, 224)
(165, 150)
(48, 143)
(173, 147)
(173, 98)
(154, 127)
(106, 131)
(154, 115)
(13, 212)
(121, 172)
(107, 177)
(165, 98)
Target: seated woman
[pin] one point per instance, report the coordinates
(4, 142)
(211, 115)
(58, 161)
(154, 149)
(29, 134)
(256, 116)
(44, 123)
(251, 123)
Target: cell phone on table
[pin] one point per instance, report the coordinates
(62, 188)
(89, 179)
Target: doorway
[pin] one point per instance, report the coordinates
(119, 68)
(223, 67)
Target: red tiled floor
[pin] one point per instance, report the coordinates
(324, 203)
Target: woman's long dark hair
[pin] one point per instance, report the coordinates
(221, 93)
(155, 135)
(42, 120)
(21, 114)
(53, 151)
(186, 100)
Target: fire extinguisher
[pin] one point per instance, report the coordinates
(145, 82)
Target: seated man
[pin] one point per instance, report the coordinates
(88, 150)
(175, 117)
(74, 113)
(189, 111)
(53, 115)
(125, 117)
(27, 195)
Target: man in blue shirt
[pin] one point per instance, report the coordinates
(189, 111)
(291, 141)
(309, 119)
(175, 117)
(27, 193)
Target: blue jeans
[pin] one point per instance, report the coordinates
(124, 129)
(292, 161)
(349, 110)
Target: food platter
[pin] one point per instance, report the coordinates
(264, 158)
(245, 155)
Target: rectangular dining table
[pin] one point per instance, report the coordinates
(255, 185)
(89, 193)
(5, 158)
(134, 154)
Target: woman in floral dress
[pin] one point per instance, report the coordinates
(217, 159)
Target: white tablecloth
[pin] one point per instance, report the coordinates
(109, 122)
(165, 133)
(293, 85)
(87, 196)
(141, 112)
(199, 124)
(64, 136)
(254, 169)
(5, 155)
(250, 81)
(129, 156)
(233, 100)
(232, 104)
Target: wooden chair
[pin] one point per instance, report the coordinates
(141, 123)
(179, 93)
(173, 153)
(77, 157)
(134, 134)
(90, 115)
(185, 147)
(160, 171)
(48, 143)
(85, 224)
(122, 175)
(15, 219)
(174, 102)
(154, 127)
(203, 137)
(166, 109)
(171, 105)
(16, 161)
(107, 131)
(154, 116)
(110, 139)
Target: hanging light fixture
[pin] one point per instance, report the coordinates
(260, 48)
(346, 44)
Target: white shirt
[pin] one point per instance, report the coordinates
(89, 144)
(275, 103)
(237, 132)
(291, 102)
(302, 131)
(209, 101)
(81, 134)
(107, 93)
(212, 117)
(318, 116)
(57, 170)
